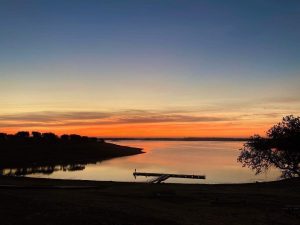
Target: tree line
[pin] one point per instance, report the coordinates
(48, 137)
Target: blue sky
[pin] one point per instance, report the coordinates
(225, 56)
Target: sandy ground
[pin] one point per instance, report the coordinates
(42, 201)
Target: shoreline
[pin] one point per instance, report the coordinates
(79, 181)
(35, 155)
(145, 181)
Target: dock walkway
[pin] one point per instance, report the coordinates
(159, 177)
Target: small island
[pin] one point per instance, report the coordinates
(48, 149)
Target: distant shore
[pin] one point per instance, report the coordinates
(49, 201)
(173, 139)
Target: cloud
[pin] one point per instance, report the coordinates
(51, 116)
(282, 100)
(160, 118)
(92, 118)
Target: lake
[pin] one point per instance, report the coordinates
(215, 159)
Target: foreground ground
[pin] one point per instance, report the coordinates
(42, 201)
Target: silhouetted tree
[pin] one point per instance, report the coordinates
(36, 135)
(3, 136)
(50, 137)
(85, 139)
(75, 138)
(22, 134)
(280, 149)
(65, 137)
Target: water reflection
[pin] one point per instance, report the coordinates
(216, 160)
(47, 170)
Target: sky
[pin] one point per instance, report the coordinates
(148, 68)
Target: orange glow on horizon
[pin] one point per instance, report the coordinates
(221, 129)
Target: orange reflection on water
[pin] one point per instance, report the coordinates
(216, 160)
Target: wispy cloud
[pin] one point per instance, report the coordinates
(52, 116)
(282, 100)
(213, 113)
(76, 118)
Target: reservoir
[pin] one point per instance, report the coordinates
(215, 159)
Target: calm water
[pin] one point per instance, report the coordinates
(216, 160)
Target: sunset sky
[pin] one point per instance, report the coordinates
(149, 68)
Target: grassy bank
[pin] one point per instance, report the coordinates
(43, 201)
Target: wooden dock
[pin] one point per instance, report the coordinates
(159, 177)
